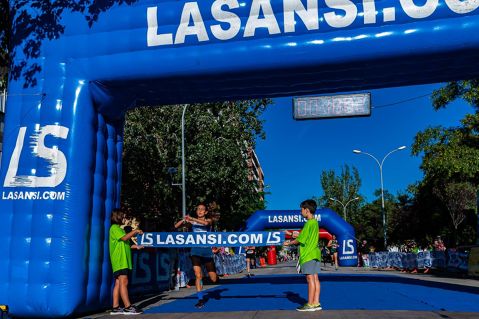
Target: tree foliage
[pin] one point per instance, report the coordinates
(467, 90)
(31, 27)
(368, 220)
(218, 137)
(450, 153)
(4, 42)
(450, 165)
(343, 187)
(458, 198)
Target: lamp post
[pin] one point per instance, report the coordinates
(183, 178)
(344, 206)
(380, 164)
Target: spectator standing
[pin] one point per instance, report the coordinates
(120, 257)
(364, 250)
(439, 244)
(309, 255)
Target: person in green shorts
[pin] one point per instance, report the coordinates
(120, 257)
(309, 255)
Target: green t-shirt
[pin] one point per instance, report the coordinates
(308, 239)
(120, 251)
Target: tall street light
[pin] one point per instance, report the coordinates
(344, 206)
(183, 183)
(382, 185)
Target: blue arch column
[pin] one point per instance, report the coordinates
(274, 219)
(60, 178)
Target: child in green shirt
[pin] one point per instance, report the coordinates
(309, 255)
(120, 257)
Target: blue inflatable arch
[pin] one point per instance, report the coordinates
(328, 219)
(71, 84)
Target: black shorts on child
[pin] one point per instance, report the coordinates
(124, 272)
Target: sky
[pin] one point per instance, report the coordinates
(294, 153)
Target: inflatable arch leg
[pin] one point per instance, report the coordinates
(61, 172)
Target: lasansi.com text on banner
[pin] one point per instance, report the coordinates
(207, 239)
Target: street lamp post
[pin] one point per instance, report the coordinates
(380, 164)
(344, 206)
(183, 178)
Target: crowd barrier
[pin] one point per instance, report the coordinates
(450, 260)
(225, 265)
(229, 264)
(157, 270)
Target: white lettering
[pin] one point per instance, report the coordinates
(201, 239)
(232, 239)
(212, 239)
(341, 21)
(256, 238)
(146, 239)
(462, 6)
(180, 239)
(227, 17)
(243, 239)
(190, 240)
(254, 21)
(226, 23)
(276, 238)
(419, 12)
(369, 7)
(55, 158)
(158, 239)
(191, 11)
(348, 247)
(170, 239)
(309, 16)
(153, 38)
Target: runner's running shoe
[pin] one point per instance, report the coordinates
(200, 304)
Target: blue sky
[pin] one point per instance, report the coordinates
(294, 153)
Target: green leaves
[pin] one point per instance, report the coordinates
(450, 153)
(4, 42)
(450, 162)
(343, 187)
(218, 139)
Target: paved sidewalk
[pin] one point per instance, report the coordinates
(289, 268)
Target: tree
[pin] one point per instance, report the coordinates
(368, 222)
(467, 90)
(31, 27)
(450, 153)
(458, 198)
(343, 187)
(449, 158)
(217, 139)
(4, 42)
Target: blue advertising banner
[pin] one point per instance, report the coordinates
(211, 239)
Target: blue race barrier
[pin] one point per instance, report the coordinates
(76, 71)
(229, 264)
(153, 270)
(456, 261)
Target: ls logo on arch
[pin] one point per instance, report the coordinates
(49, 159)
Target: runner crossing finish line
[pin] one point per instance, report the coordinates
(211, 239)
